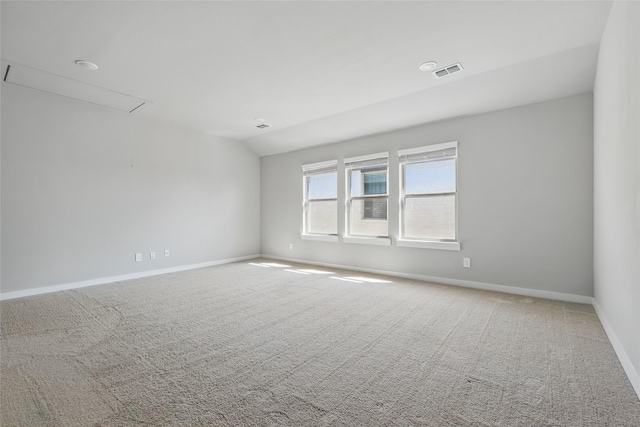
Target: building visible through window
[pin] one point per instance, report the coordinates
(375, 183)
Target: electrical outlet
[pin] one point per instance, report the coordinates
(290, 245)
(152, 255)
(466, 262)
(138, 257)
(166, 252)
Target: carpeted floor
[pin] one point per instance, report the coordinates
(260, 344)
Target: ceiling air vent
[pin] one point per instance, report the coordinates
(447, 70)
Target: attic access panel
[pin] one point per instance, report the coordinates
(33, 78)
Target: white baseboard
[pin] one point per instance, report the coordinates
(633, 376)
(112, 279)
(455, 282)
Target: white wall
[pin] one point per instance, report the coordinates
(525, 199)
(617, 184)
(85, 187)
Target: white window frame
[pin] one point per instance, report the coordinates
(307, 171)
(376, 160)
(444, 244)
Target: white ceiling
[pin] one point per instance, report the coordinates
(318, 72)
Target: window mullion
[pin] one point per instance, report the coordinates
(448, 193)
(372, 196)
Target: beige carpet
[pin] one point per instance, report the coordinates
(252, 344)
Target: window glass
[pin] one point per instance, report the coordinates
(375, 182)
(430, 217)
(322, 217)
(438, 176)
(323, 185)
(372, 223)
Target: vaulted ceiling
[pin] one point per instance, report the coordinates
(316, 71)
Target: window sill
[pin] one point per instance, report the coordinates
(320, 237)
(424, 244)
(380, 241)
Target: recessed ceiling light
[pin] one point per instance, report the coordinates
(261, 123)
(428, 66)
(86, 64)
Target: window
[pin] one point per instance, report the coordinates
(428, 196)
(367, 196)
(320, 211)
